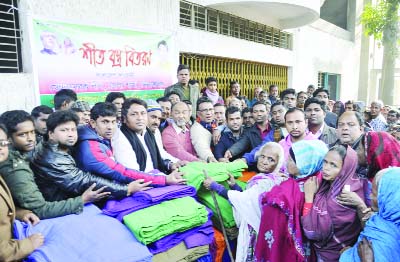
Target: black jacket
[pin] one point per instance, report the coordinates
(251, 138)
(331, 119)
(59, 178)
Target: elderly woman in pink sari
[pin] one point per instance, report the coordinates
(329, 225)
(246, 207)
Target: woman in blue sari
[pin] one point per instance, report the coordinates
(382, 230)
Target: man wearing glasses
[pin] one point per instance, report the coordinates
(201, 130)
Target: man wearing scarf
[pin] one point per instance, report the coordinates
(135, 145)
(201, 130)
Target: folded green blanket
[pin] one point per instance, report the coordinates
(224, 205)
(155, 222)
(193, 171)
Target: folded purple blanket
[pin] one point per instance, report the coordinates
(198, 236)
(143, 199)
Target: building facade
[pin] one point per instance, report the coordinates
(289, 43)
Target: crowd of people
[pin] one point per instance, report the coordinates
(324, 185)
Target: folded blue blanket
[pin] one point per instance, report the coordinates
(87, 237)
(144, 199)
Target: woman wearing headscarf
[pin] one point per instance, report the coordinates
(329, 225)
(381, 151)
(382, 230)
(377, 151)
(246, 207)
(280, 237)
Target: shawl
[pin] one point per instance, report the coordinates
(383, 228)
(214, 97)
(140, 151)
(382, 151)
(329, 225)
(209, 126)
(280, 235)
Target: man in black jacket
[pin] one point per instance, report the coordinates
(55, 170)
(253, 136)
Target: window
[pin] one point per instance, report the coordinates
(208, 19)
(10, 46)
(200, 17)
(331, 82)
(212, 21)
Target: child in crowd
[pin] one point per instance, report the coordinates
(211, 91)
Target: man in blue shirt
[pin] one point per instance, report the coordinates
(230, 134)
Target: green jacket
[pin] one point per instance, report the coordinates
(193, 91)
(26, 194)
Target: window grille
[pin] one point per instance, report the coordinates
(321, 80)
(225, 25)
(212, 21)
(208, 19)
(248, 74)
(10, 46)
(185, 14)
(199, 17)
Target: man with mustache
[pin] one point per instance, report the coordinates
(176, 137)
(94, 151)
(201, 130)
(135, 145)
(154, 116)
(296, 125)
(232, 132)
(315, 111)
(260, 132)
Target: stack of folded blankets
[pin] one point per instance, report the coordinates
(88, 237)
(194, 173)
(168, 220)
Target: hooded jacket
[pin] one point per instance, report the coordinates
(94, 154)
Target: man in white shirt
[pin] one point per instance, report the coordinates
(135, 145)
